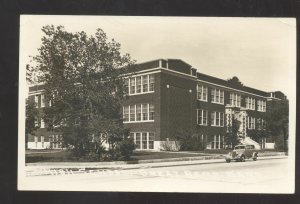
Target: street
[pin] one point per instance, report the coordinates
(262, 176)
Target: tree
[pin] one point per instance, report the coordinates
(189, 140)
(232, 136)
(278, 123)
(31, 115)
(235, 82)
(81, 78)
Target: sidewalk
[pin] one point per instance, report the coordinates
(123, 165)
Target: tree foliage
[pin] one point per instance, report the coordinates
(189, 140)
(235, 82)
(278, 123)
(31, 115)
(81, 77)
(232, 136)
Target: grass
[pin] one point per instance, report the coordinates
(33, 156)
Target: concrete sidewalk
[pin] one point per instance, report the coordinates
(42, 168)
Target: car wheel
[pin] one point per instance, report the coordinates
(255, 158)
(243, 158)
(228, 160)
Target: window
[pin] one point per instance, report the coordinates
(261, 105)
(250, 103)
(202, 117)
(201, 92)
(217, 119)
(151, 112)
(143, 140)
(145, 111)
(138, 85)
(151, 140)
(217, 96)
(126, 114)
(42, 100)
(42, 123)
(36, 139)
(36, 100)
(251, 123)
(132, 113)
(138, 113)
(132, 86)
(235, 100)
(151, 82)
(145, 83)
(126, 85)
(218, 142)
(138, 140)
(42, 140)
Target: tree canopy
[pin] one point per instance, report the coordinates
(235, 82)
(81, 77)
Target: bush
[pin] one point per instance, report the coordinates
(126, 148)
(189, 141)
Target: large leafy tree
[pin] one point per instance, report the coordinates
(278, 123)
(81, 78)
(31, 115)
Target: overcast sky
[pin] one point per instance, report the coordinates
(261, 52)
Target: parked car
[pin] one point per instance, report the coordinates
(241, 153)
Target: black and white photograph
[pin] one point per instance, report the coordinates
(157, 104)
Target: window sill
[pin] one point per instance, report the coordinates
(144, 121)
(140, 93)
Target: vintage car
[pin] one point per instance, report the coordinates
(241, 153)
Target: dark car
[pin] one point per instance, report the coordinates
(241, 153)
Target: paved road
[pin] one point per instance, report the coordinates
(265, 176)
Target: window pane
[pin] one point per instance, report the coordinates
(144, 140)
(138, 85)
(138, 140)
(204, 117)
(126, 86)
(205, 93)
(126, 113)
(145, 111)
(151, 112)
(151, 82)
(145, 83)
(138, 112)
(212, 117)
(132, 85)
(132, 113)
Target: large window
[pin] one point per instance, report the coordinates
(201, 92)
(261, 105)
(218, 142)
(235, 100)
(251, 123)
(217, 96)
(250, 103)
(143, 140)
(140, 84)
(217, 119)
(138, 113)
(201, 117)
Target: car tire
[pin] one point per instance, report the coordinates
(228, 160)
(255, 158)
(243, 159)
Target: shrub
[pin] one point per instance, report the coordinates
(126, 148)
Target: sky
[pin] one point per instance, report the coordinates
(261, 52)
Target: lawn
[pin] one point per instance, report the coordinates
(33, 156)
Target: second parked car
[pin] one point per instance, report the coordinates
(241, 153)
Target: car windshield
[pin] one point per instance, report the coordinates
(239, 147)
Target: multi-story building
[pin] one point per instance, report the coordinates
(167, 96)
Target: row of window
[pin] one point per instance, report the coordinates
(251, 122)
(40, 101)
(138, 113)
(216, 118)
(140, 84)
(217, 96)
(143, 140)
(55, 141)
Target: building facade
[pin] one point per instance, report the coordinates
(168, 96)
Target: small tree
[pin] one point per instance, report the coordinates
(189, 140)
(232, 136)
(31, 116)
